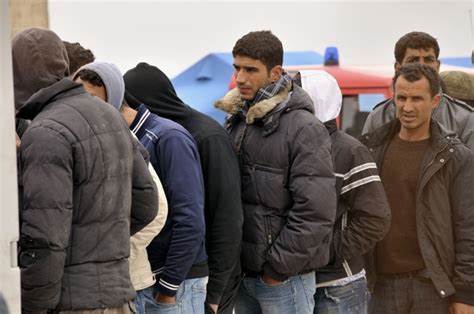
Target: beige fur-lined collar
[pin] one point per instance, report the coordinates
(232, 103)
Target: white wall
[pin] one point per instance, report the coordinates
(174, 35)
(9, 272)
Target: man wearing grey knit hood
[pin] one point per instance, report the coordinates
(86, 187)
(104, 80)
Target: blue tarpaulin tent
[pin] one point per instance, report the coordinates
(465, 62)
(208, 79)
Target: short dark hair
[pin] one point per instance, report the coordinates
(415, 40)
(78, 56)
(260, 45)
(416, 71)
(89, 76)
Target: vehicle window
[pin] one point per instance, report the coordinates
(355, 110)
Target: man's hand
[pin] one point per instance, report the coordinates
(270, 281)
(165, 299)
(214, 307)
(461, 308)
(18, 142)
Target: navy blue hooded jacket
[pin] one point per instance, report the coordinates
(178, 252)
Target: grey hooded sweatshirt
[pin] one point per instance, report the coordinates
(83, 178)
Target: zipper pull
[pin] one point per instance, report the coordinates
(269, 238)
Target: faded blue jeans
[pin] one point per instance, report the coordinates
(294, 296)
(190, 298)
(139, 301)
(352, 298)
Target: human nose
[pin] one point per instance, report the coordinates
(240, 76)
(407, 106)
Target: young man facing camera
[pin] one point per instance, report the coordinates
(288, 182)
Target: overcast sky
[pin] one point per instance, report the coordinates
(174, 35)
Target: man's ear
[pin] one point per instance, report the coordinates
(397, 66)
(275, 73)
(436, 100)
(439, 64)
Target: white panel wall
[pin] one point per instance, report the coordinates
(9, 271)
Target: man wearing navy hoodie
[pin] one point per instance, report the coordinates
(177, 255)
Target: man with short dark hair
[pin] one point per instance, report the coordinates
(288, 184)
(78, 56)
(86, 187)
(425, 263)
(420, 47)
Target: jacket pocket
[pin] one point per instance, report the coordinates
(249, 188)
(40, 267)
(271, 188)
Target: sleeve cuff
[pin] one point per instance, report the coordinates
(268, 271)
(463, 296)
(213, 297)
(167, 286)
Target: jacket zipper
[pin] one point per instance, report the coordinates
(239, 145)
(267, 227)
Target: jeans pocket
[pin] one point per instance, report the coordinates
(282, 283)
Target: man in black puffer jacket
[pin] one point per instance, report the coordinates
(86, 187)
(288, 184)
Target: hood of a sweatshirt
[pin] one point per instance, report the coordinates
(147, 84)
(112, 78)
(323, 89)
(39, 60)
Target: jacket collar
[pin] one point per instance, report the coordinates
(331, 126)
(233, 104)
(140, 122)
(439, 134)
(39, 100)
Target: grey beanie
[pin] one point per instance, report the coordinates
(112, 78)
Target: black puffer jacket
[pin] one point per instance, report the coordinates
(288, 184)
(444, 209)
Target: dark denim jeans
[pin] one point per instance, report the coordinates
(352, 298)
(293, 296)
(407, 294)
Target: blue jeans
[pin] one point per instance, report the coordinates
(190, 298)
(139, 301)
(408, 294)
(352, 298)
(294, 295)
